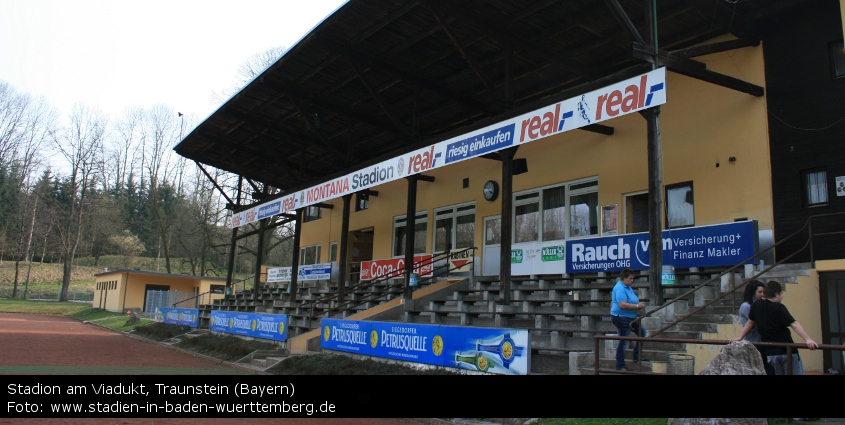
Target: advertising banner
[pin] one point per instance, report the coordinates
(178, 316)
(256, 325)
(395, 267)
(622, 98)
(279, 274)
(538, 258)
(716, 245)
(308, 272)
(489, 350)
(315, 272)
(500, 351)
(351, 336)
(406, 341)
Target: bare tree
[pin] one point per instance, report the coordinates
(251, 68)
(163, 127)
(79, 144)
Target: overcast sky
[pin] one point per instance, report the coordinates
(114, 54)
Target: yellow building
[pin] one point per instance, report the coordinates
(124, 290)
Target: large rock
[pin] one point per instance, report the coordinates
(133, 319)
(718, 421)
(736, 358)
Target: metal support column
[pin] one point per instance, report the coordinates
(344, 240)
(410, 223)
(507, 224)
(655, 173)
(294, 264)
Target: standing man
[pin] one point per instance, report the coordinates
(773, 321)
(623, 310)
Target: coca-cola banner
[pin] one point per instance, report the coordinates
(394, 267)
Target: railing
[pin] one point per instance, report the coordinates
(393, 286)
(642, 340)
(199, 299)
(809, 243)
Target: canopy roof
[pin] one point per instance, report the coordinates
(382, 77)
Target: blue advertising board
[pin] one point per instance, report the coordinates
(315, 272)
(256, 325)
(405, 341)
(491, 350)
(352, 336)
(480, 144)
(716, 245)
(269, 210)
(178, 316)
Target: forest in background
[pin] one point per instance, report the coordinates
(90, 186)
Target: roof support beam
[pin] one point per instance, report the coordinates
(473, 64)
(707, 49)
(622, 17)
(697, 70)
(377, 97)
(405, 75)
(214, 182)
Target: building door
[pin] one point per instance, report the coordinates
(492, 245)
(147, 289)
(360, 249)
(833, 317)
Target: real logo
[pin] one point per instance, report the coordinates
(634, 98)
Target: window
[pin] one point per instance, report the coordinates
(362, 201)
(309, 255)
(636, 213)
(454, 227)
(311, 213)
(680, 211)
(526, 217)
(583, 209)
(814, 183)
(544, 212)
(333, 252)
(837, 59)
(400, 238)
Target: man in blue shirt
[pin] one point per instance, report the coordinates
(623, 310)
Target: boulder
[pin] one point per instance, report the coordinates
(736, 358)
(133, 319)
(718, 421)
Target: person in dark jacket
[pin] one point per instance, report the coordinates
(774, 321)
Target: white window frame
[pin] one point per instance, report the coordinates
(452, 213)
(303, 253)
(535, 196)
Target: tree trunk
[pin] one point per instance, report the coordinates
(27, 256)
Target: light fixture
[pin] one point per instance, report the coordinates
(732, 159)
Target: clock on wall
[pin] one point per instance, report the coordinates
(491, 190)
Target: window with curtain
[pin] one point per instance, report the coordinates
(814, 188)
(554, 213)
(680, 205)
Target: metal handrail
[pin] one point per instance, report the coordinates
(807, 225)
(389, 289)
(192, 298)
(789, 347)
